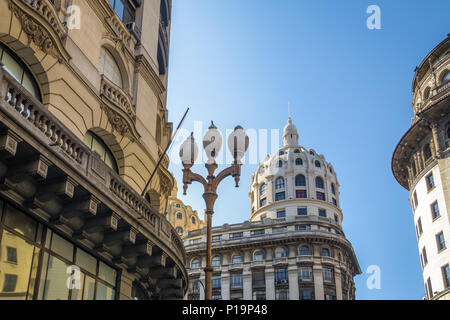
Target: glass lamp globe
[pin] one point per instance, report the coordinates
(212, 143)
(189, 151)
(238, 143)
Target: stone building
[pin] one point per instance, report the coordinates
(421, 164)
(182, 217)
(293, 247)
(83, 122)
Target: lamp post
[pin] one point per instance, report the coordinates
(212, 142)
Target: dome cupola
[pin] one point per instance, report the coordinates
(290, 134)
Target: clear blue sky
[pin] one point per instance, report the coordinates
(239, 62)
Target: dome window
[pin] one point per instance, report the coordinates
(96, 144)
(280, 164)
(262, 190)
(179, 216)
(297, 151)
(179, 230)
(319, 183)
(333, 189)
(300, 181)
(279, 183)
(193, 220)
(298, 162)
(304, 251)
(195, 263)
(281, 153)
(317, 164)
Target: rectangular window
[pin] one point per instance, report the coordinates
(440, 240)
(217, 238)
(11, 255)
(262, 202)
(305, 274)
(334, 202)
(336, 218)
(282, 294)
(424, 256)
(279, 230)
(258, 278)
(10, 283)
(430, 182)
(435, 210)
(280, 196)
(281, 276)
(300, 194)
(303, 227)
(306, 295)
(281, 214)
(327, 274)
(259, 295)
(419, 225)
(260, 232)
(330, 297)
(430, 288)
(236, 280)
(217, 297)
(446, 275)
(236, 235)
(322, 213)
(216, 282)
(416, 202)
(320, 196)
(302, 211)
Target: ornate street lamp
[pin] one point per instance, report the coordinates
(212, 142)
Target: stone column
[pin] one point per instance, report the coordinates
(293, 282)
(436, 139)
(318, 282)
(225, 285)
(125, 286)
(338, 283)
(270, 283)
(290, 186)
(270, 189)
(247, 285)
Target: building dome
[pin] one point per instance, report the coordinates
(293, 181)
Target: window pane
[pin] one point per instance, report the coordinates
(86, 261)
(30, 85)
(89, 288)
(14, 276)
(97, 147)
(56, 282)
(77, 294)
(107, 274)
(104, 292)
(20, 222)
(12, 66)
(62, 247)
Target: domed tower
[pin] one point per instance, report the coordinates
(421, 164)
(295, 182)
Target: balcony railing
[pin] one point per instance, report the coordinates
(305, 259)
(235, 266)
(256, 264)
(17, 103)
(436, 93)
(280, 261)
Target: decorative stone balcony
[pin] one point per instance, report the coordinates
(257, 264)
(48, 172)
(305, 259)
(437, 94)
(118, 107)
(194, 271)
(42, 25)
(328, 260)
(280, 261)
(235, 266)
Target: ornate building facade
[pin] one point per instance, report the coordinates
(83, 122)
(182, 217)
(421, 164)
(293, 247)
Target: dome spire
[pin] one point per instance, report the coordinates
(290, 134)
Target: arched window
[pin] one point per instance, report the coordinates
(262, 190)
(427, 152)
(258, 255)
(236, 259)
(281, 153)
(195, 263)
(333, 189)
(413, 167)
(298, 162)
(280, 253)
(304, 251)
(280, 164)
(319, 183)
(96, 144)
(317, 164)
(279, 183)
(17, 69)
(107, 66)
(216, 261)
(300, 180)
(297, 151)
(179, 230)
(179, 216)
(193, 220)
(446, 77)
(325, 252)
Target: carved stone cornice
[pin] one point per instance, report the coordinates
(42, 26)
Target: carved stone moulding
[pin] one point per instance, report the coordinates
(120, 122)
(42, 28)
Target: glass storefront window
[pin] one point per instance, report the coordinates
(24, 258)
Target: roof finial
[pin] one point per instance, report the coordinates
(289, 109)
